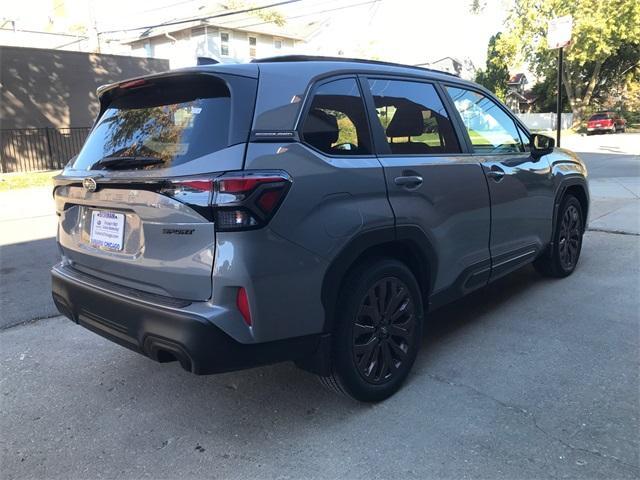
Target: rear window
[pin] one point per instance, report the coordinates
(158, 125)
(599, 116)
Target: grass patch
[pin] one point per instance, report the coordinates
(14, 181)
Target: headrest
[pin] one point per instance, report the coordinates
(406, 122)
(321, 129)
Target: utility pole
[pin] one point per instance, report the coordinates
(559, 101)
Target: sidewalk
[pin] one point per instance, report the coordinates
(615, 205)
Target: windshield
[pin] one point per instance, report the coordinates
(159, 125)
(599, 116)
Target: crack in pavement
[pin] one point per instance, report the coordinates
(534, 420)
(615, 232)
(30, 321)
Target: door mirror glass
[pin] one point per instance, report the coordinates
(541, 144)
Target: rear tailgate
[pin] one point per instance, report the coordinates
(122, 217)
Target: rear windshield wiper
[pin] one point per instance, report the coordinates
(115, 163)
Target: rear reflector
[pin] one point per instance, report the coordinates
(242, 302)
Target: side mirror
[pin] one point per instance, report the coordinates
(541, 145)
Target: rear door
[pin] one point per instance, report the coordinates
(520, 185)
(431, 182)
(134, 205)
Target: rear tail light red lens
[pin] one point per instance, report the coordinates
(234, 201)
(242, 302)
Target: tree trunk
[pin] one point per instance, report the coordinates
(577, 100)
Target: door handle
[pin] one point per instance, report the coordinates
(409, 181)
(496, 173)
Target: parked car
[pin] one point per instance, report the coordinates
(602, 122)
(306, 209)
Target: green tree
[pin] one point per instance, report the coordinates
(600, 29)
(495, 75)
(545, 93)
(267, 15)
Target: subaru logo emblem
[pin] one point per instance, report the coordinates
(89, 184)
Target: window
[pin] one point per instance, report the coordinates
(224, 44)
(148, 49)
(490, 129)
(167, 121)
(253, 44)
(277, 43)
(524, 137)
(336, 122)
(413, 118)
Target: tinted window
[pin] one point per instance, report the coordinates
(490, 129)
(413, 117)
(524, 137)
(599, 116)
(170, 124)
(336, 122)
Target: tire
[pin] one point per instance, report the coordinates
(561, 261)
(378, 331)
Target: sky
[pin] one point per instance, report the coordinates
(405, 31)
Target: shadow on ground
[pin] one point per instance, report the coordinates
(25, 286)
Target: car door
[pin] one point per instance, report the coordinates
(431, 183)
(520, 186)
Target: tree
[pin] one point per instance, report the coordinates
(496, 73)
(600, 29)
(545, 93)
(269, 15)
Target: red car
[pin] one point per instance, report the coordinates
(605, 122)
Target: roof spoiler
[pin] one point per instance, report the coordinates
(207, 61)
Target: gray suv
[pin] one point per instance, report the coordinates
(306, 209)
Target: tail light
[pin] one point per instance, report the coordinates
(234, 201)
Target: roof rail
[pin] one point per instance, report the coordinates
(319, 58)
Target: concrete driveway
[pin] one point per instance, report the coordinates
(529, 378)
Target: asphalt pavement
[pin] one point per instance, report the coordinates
(528, 378)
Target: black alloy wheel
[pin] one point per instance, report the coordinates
(570, 237)
(561, 257)
(383, 330)
(377, 332)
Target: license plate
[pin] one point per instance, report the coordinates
(107, 229)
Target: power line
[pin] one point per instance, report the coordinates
(40, 32)
(306, 14)
(219, 15)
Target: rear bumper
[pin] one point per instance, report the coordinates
(165, 331)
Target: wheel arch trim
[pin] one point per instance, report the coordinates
(410, 236)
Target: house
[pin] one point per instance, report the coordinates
(228, 39)
(445, 64)
(461, 68)
(518, 98)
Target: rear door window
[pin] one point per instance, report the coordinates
(413, 118)
(159, 125)
(490, 129)
(336, 122)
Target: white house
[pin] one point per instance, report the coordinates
(235, 39)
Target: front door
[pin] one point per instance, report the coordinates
(520, 186)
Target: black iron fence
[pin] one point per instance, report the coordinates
(32, 149)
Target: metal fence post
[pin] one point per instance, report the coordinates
(49, 149)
